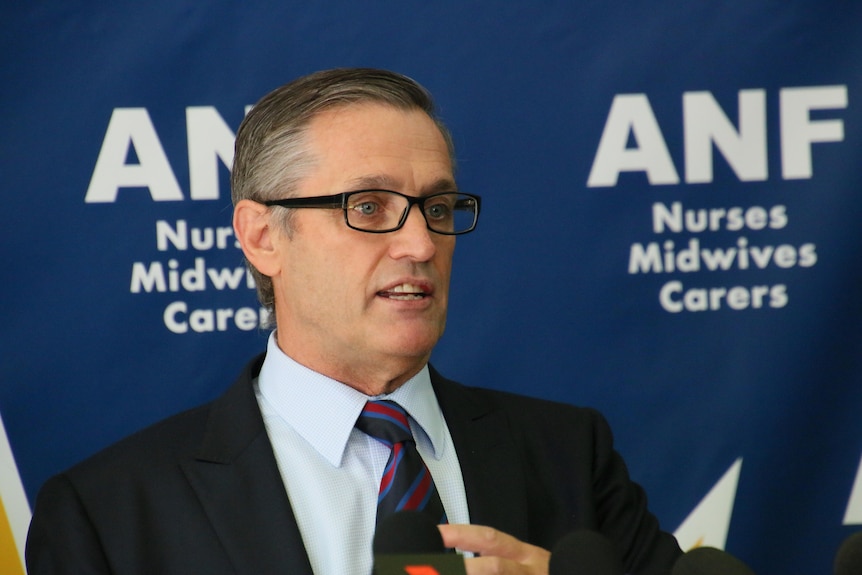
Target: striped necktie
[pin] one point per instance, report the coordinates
(406, 483)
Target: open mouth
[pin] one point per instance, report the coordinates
(404, 292)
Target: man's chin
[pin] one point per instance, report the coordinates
(412, 344)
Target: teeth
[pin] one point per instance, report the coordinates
(405, 292)
(406, 288)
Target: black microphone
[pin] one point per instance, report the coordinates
(848, 559)
(409, 542)
(407, 532)
(709, 561)
(585, 552)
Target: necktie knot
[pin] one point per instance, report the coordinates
(385, 421)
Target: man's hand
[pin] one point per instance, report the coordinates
(500, 554)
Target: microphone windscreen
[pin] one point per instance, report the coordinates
(407, 533)
(585, 552)
(709, 561)
(848, 560)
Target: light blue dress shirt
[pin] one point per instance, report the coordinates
(332, 471)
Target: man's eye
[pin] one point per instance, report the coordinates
(367, 208)
(438, 211)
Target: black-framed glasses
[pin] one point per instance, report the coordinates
(382, 211)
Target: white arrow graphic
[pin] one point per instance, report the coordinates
(708, 524)
(853, 515)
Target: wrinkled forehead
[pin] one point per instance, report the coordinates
(381, 147)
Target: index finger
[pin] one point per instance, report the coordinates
(488, 541)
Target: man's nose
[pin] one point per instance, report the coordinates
(414, 239)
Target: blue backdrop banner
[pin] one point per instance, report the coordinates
(670, 231)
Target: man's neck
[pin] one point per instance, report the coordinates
(373, 376)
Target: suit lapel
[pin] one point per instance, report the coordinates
(236, 478)
(490, 464)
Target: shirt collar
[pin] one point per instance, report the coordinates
(323, 410)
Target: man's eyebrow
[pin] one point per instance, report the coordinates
(441, 185)
(373, 182)
(385, 182)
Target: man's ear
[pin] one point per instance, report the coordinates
(251, 224)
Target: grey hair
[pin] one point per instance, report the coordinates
(271, 154)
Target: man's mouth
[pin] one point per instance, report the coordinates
(404, 292)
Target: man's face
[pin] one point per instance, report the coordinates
(354, 305)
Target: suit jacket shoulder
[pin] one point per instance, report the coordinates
(539, 469)
(199, 492)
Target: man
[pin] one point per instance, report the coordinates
(273, 477)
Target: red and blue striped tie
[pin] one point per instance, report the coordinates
(407, 484)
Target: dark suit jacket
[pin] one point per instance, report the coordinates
(200, 493)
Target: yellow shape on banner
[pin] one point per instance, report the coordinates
(10, 563)
(14, 511)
